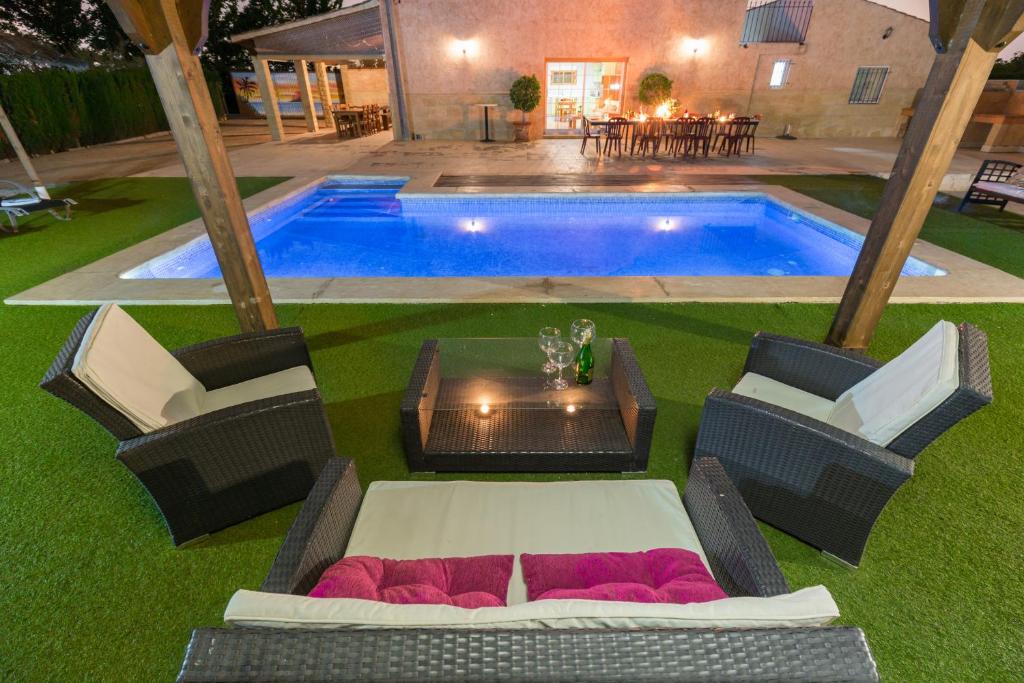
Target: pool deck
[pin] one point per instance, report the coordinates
(967, 280)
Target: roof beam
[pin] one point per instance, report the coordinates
(947, 102)
(170, 32)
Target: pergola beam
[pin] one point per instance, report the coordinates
(170, 32)
(26, 162)
(947, 102)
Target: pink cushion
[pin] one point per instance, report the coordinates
(468, 582)
(662, 575)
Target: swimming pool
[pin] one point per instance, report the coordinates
(357, 227)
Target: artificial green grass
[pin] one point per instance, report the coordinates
(94, 590)
(982, 232)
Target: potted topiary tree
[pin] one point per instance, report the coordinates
(525, 96)
(655, 88)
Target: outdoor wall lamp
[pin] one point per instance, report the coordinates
(695, 47)
(464, 49)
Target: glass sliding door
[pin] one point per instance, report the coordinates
(577, 88)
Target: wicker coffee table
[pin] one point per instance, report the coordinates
(480, 405)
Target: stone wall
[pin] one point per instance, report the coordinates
(458, 53)
(365, 86)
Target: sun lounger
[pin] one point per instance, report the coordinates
(24, 201)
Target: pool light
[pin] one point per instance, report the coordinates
(472, 225)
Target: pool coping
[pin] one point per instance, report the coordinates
(966, 281)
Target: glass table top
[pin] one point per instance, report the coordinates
(488, 375)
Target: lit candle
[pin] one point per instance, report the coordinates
(484, 410)
(571, 409)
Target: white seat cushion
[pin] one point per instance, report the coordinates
(811, 606)
(122, 364)
(891, 399)
(288, 381)
(408, 520)
(753, 385)
(411, 520)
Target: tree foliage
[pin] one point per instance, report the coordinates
(87, 28)
(1012, 68)
(525, 93)
(655, 88)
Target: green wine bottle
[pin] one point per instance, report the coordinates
(584, 364)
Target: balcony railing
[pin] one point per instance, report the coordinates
(776, 21)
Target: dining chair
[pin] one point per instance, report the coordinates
(590, 133)
(614, 134)
(648, 137)
(699, 139)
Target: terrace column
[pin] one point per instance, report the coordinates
(393, 63)
(324, 88)
(306, 95)
(269, 96)
(170, 32)
(968, 35)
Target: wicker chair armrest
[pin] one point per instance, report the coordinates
(816, 368)
(777, 436)
(203, 472)
(738, 553)
(320, 533)
(824, 655)
(235, 419)
(636, 402)
(222, 362)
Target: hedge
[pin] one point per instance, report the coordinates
(54, 110)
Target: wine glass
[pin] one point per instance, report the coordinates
(562, 355)
(583, 331)
(546, 339)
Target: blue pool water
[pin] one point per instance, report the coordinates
(357, 227)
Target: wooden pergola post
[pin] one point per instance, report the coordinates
(324, 88)
(306, 95)
(169, 32)
(268, 94)
(968, 35)
(26, 162)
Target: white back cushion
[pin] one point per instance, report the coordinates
(407, 520)
(122, 364)
(891, 399)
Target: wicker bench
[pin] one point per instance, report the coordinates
(737, 552)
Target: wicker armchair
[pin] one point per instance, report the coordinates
(822, 484)
(738, 554)
(226, 466)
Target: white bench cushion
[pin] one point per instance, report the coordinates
(891, 399)
(753, 385)
(408, 520)
(411, 520)
(812, 606)
(122, 364)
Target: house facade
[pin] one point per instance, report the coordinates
(825, 68)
